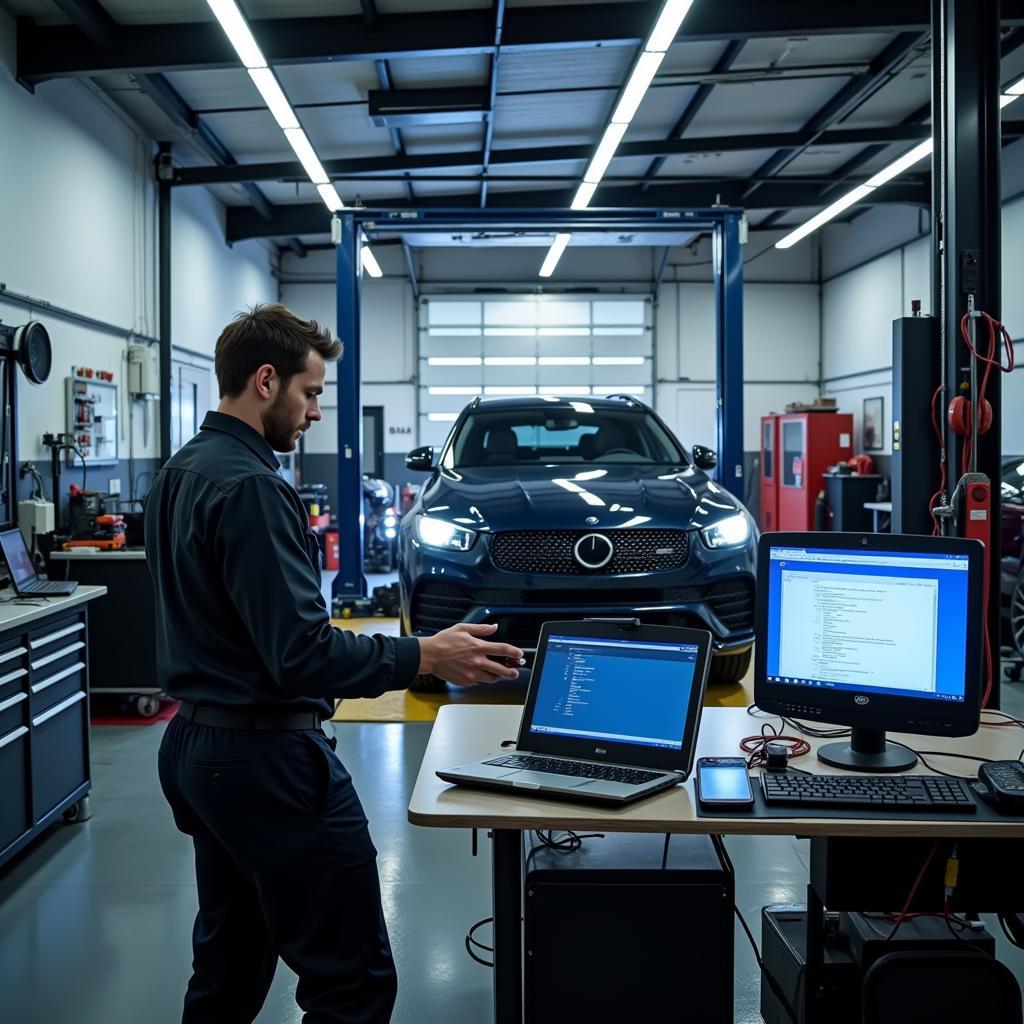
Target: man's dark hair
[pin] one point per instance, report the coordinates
(268, 333)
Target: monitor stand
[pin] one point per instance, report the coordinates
(867, 751)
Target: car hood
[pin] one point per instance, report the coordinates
(572, 497)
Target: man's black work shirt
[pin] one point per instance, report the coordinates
(240, 619)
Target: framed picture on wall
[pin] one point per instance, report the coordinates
(873, 424)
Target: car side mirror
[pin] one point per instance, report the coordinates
(704, 458)
(420, 459)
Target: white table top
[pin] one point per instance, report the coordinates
(17, 615)
(83, 554)
(464, 733)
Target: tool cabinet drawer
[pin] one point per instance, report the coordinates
(59, 753)
(15, 816)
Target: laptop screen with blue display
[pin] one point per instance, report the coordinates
(621, 691)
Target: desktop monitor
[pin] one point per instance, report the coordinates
(875, 632)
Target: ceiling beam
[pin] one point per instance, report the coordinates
(888, 63)
(68, 51)
(313, 218)
(291, 170)
(699, 98)
(499, 24)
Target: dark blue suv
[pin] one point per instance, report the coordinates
(551, 508)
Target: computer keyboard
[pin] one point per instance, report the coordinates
(580, 769)
(869, 792)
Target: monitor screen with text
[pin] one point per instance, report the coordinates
(868, 621)
(622, 691)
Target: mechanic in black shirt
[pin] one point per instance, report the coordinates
(284, 862)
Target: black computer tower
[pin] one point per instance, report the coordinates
(610, 936)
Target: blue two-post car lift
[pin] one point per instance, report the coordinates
(724, 224)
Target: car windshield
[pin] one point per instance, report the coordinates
(1013, 482)
(562, 434)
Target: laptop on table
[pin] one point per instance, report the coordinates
(23, 571)
(611, 714)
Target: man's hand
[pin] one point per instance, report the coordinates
(461, 655)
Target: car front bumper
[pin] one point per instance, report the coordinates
(713, 590)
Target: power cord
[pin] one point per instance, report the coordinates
(569, 842)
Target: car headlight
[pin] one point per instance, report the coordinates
(727, 532)
(436, 533)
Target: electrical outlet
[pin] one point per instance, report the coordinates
(113, 486)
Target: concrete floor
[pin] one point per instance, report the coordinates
(95, 919)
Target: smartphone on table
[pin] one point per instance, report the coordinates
(724, 782)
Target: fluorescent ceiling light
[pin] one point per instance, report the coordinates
(453, 391)
(618, 360)
(636, 87)
(307, 157)
(843, 203)
(554, 254)
(583, 195)
(237, 30)
(510, 361)
(369, 261)
(561, 389)
(442, 417)
(605, 151)
(454, 361)
(270, 89)
(1007, 98)
(666, 28)
(330, 197)
(1017, 89)
(505, 389)
(565, 360)
(900, 165)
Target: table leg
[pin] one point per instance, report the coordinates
(507, 898)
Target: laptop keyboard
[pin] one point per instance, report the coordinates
(577, 769)
(48, 587)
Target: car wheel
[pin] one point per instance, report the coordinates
(730, 668)
(1017, 615)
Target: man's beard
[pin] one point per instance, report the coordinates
(278, 428)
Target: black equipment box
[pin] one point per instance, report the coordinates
(611, 936)
(784, 995)
(845, 494)
(834, 995)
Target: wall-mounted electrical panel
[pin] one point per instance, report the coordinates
(143, 371)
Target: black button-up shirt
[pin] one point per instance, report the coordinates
(240, 619)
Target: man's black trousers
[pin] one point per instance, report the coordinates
(285, 868)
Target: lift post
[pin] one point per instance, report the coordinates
(722, 221)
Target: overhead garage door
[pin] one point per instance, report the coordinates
(529, 345)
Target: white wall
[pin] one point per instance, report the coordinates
(78, 216)
(780, 355)
(858, 308)
(211, 282)
(388, 354)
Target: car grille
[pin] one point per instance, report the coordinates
(550, 551)
(437, 605)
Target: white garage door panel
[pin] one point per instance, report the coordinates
(529, 345)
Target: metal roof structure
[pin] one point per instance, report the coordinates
(774, 107)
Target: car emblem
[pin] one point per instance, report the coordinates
(591, 520)
(593, 551)
(861, 700)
